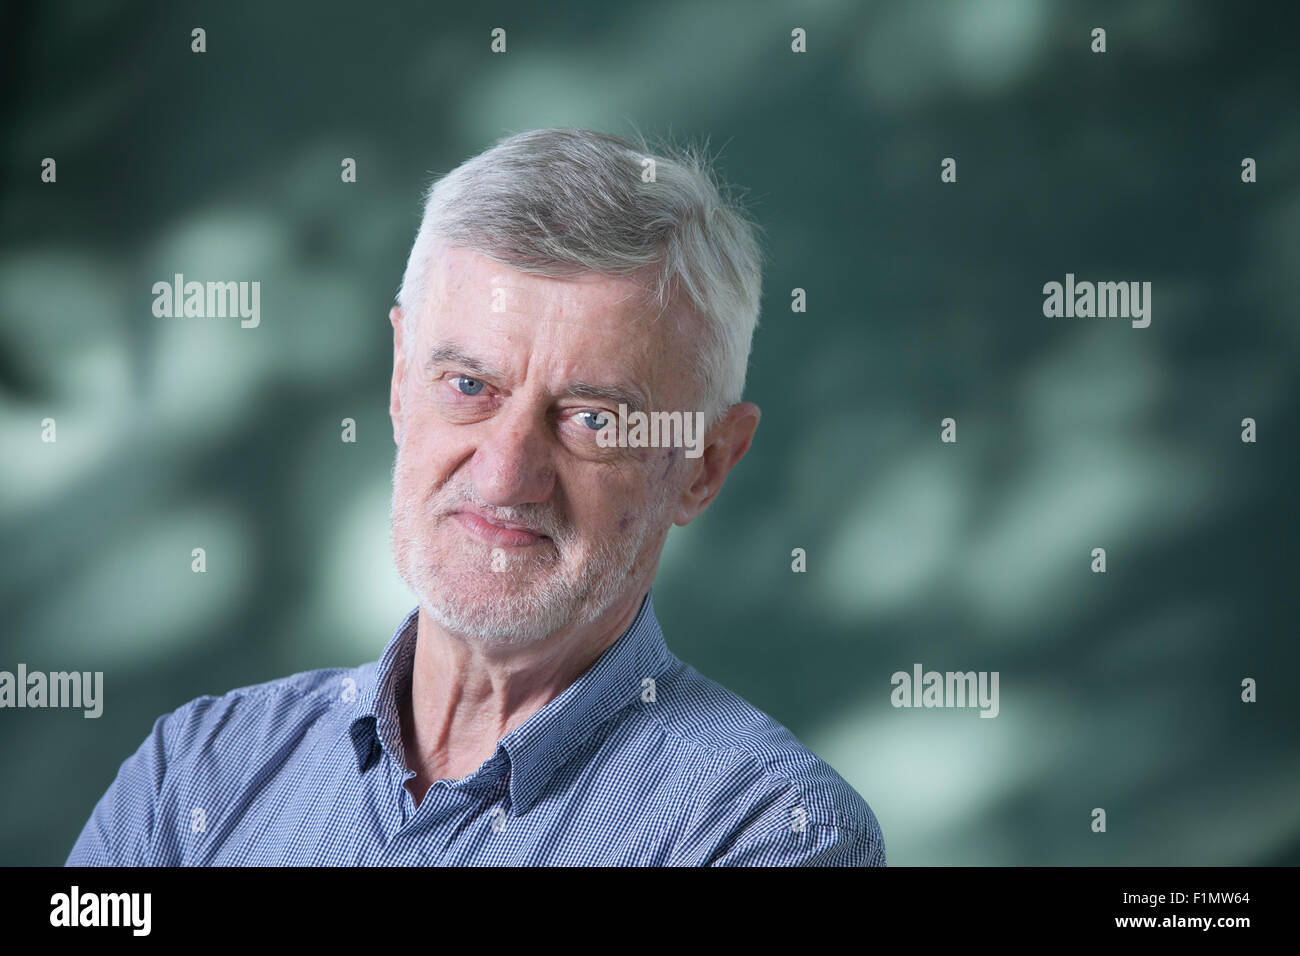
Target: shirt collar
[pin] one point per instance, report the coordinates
(375, 720)
(541, 745)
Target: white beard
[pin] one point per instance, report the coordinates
(498, 596)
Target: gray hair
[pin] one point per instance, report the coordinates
(558, 202)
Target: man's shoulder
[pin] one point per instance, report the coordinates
(205, 756)
(272, 707)
(751, 759)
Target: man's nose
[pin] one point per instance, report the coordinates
(513, 462)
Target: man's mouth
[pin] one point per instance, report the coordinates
(497, 532)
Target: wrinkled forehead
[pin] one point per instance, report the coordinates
(581, 321)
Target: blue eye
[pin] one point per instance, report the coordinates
(595, 420)
(473, 388)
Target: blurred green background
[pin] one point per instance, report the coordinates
(1118, 691)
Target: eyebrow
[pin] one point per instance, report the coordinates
(614, 394)
(451, 355)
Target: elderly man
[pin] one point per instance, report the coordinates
(528, 711)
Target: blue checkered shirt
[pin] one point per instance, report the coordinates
(641, 761)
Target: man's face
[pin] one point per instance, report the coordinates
(510, 521)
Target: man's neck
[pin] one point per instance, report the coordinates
(465, 695)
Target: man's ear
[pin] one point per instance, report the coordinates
(399, 372)
(726, 444)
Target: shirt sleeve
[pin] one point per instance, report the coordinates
(818, 844)
(121, 827)
(789, 829)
